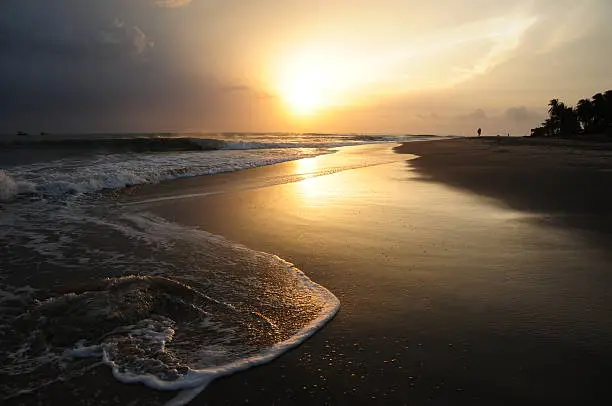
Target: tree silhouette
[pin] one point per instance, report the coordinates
(608, 110)
(555, 112)
(590, 116)
(599, 104)
(554, 106)
(586, 114)
(569, 125)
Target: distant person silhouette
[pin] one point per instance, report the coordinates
(479, 131)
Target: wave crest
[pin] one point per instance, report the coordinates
(119, 144)
(10, 188)
(116, 171)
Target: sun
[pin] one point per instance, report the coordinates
(313, 79)
(304, 97)
(309, 82)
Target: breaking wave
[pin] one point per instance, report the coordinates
(172, 143)
(118, 144)
(91, 174)
(10, 188)
(199, 308)
(54, 166)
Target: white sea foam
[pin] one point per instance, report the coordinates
(311, 141)
(245, 145)
(200, 308)
(89, 172)
(9, 187)
(196, 380)
(83, 175)
(192, 315)
(84, 351)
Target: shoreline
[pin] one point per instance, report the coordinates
(423, 318)
(564, 181)
(447, 297)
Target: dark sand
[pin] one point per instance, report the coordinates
(448, 296)
(565, 180)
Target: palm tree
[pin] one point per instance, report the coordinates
(569, 125)
(548, 128)
(588, 116)
(608, 109)
(553, 106)
(556, 111)
(599, 106)
(585, 112)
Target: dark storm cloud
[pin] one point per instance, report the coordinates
(72, 65)
(65, 28)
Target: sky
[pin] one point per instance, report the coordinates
(359, 66)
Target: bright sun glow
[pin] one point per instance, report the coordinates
(315, 77)
(304, 96)
(311, 81)
(309, 188)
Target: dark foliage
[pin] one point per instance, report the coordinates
(590, 116)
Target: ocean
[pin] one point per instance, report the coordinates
(85, 279)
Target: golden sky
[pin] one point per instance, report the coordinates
(386, 66)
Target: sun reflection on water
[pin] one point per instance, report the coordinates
(309, 188)
(306, 166)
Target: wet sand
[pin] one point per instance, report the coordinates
(449, 294)
(567, 181)
(448, 297)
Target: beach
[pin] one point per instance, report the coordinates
(447, 297)
(305, 203)
(562, 179)
(468, 272)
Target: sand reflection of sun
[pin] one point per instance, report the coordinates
(318, 185)
(306, 166)
(307, 169)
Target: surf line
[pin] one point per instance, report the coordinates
(294, 178)
(176, 197)
(291, 179)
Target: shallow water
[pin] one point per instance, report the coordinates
(88, 280)
(447, 297)
(164, 305)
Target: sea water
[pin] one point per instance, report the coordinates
(85, 280)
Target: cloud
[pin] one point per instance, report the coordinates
(236, 88)
(435, 59)
(515, 120)
(132, 38)
(522, 114)
(93, 66)
(477, 114)
(139, 40)
(67, 31)
(504, 41)
(171, 3)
